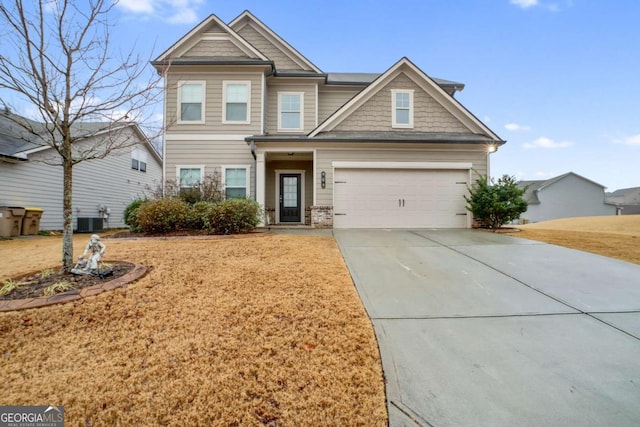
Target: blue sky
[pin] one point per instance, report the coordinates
(557, 79)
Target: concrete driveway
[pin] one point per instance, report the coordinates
(481, 329)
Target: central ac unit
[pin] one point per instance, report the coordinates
(90, 225)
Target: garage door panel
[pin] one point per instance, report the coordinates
(389, 198)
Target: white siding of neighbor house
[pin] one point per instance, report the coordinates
(110, 182)
(569, 197)
(477, 156)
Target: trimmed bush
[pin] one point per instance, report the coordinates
(198, 214)
(131, 214)
(163, 215)
(233, 216)
(496, 203)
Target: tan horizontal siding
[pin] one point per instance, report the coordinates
(404, 153)
(309, 106)
(214, 103)
(211, 154)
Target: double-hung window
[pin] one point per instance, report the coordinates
(402, 108)
(189, 176)
(191, 101)
(139, 160)
(290, 111)
(236, 181)
(237, 105)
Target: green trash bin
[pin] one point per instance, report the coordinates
(11, 221)
(31, 221)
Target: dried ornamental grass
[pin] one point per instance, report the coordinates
(252, 331)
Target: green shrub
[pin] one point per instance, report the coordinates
(163, 215)
(198, 214)
(233, 216)
(131, 214)
(496, 203)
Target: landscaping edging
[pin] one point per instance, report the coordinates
(21, 304)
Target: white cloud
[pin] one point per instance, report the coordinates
(629, 140)
(137, 6)
(171, 11)
(486, 119)
(525, 4)
(516, 127)
(547, 143)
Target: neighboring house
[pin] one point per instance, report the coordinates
(327, 149)
(102, 188)
(568, 195)
(627, 200)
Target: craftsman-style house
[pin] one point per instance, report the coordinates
(327, 149)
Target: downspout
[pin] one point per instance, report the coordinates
(252, 145)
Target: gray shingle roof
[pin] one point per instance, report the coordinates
(410, 137)
(15, 140)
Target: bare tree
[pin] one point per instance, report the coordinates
(56, 56)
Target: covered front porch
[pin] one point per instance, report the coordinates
(285, 179)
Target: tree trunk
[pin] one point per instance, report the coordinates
(67, 212)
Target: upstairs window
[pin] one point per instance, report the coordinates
(290, 115)
(191, 100)
(139, 160)
(237, 108)
(402, 108)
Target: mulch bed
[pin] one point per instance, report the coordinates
(33, 285)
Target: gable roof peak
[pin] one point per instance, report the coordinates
(291, 51)
(208, 22)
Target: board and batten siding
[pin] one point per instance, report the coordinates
(110, 182)
(309, 107)
(213, 103)
(400, 153)
(330, 100)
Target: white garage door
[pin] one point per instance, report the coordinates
(398, 198)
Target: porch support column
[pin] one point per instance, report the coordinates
(260, 183)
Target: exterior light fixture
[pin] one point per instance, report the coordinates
(492, 149)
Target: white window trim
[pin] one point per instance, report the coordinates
(394, 124)
(248, 177)
(298, 129)
(302, 194)
(204, 102)
(224, 102)
(178, 167)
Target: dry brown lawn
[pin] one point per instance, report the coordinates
(253, 331)
(612, 236)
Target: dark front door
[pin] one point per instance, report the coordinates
(290, 206)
